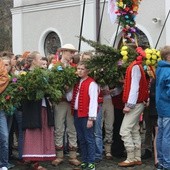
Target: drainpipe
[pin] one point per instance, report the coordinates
(97, 19)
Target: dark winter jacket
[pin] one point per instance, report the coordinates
(32, 114)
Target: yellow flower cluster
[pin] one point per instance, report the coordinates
(124, 53)
(152, 56)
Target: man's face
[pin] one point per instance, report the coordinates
(68, 55)
(82, 71)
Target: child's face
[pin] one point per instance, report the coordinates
(37, 61)
(13, 61)
(7, 64)
(82, 71)
(44, 64)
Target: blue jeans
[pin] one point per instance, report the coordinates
(4, 135)
(18, 118)
(163, 141)
(98, 134)
(86, 139)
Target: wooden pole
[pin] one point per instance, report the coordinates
(97, 17)
(81, 28)
(116, 33)
(99, 29)
(162, 29)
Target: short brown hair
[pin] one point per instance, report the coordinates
(165, 52)
(6, 54)
(87, 53)
(83, 62)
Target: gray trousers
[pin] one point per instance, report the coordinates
(64, 120)
(108, 118)
(130, 131)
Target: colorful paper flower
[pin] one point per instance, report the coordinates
(59, 68)
(14, 80)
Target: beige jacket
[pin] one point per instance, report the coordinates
(4, 79)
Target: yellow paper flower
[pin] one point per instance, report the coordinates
(148, 51)
(124, 53)
(124, 47)
(159, 58)
(23, 73)
(158, 53)
(154, 57)
(148, 62)
(153, 62)
(125, 58)
(120, 4)
(148, 55)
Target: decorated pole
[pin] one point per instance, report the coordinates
(162, 29)
(81, 28)
(99, 29)
(126, 13)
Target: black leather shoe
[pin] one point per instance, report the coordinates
(147, 154)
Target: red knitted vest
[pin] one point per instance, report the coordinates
(143, 84)
(84, 99)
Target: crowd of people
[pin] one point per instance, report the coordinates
(95, 121)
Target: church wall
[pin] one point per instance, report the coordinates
(65, 18)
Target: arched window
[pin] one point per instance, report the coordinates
(52, 43)
(142, 39)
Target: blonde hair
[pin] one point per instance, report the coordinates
(31, 57)
(90, 54)
(50, 58)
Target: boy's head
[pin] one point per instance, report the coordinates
(82, 70)
(86, 56)
(165, 53)
(44, 62)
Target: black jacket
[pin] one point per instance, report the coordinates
(32, 114)
(152, 105)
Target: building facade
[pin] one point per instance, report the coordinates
(45, 25)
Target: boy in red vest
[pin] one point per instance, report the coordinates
(84, 108)
(134, 95)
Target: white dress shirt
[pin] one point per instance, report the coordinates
(134, 89)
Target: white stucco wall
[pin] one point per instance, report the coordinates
(66, 20)
(40, 21)
(147, 11)
(167, 29)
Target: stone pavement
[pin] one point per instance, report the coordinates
(103, 165)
